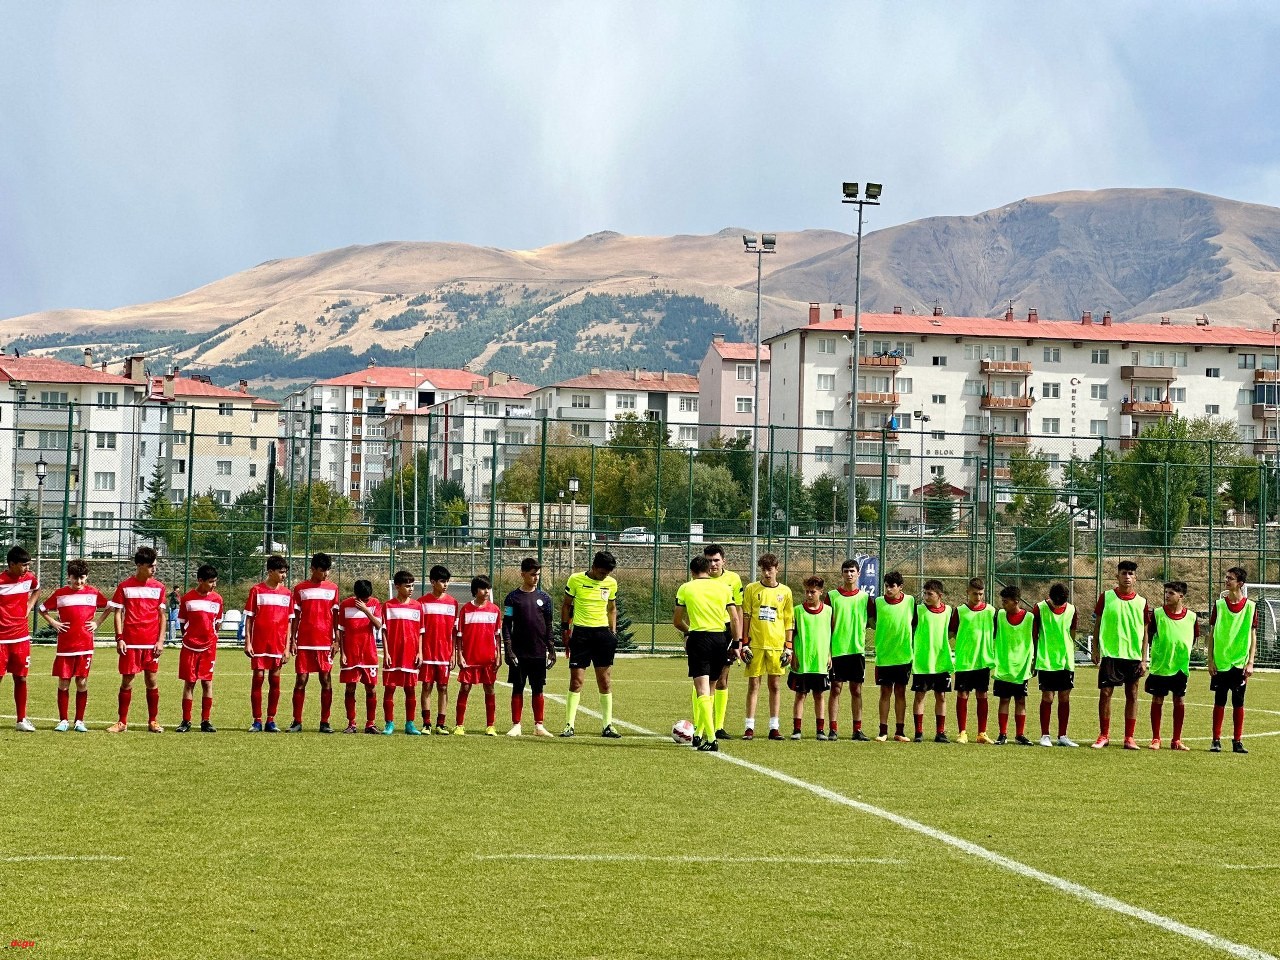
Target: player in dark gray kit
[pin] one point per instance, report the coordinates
(526, 634)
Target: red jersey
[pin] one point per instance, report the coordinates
(357, 636)
(403, 643)
(480, 629)
(144, 612)
(14, 594)
(76, 608)
(199, 613)
(271, 609)
(439, 621)
(314, 603)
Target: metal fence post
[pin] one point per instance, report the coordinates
(1212, 503)
(688, 540)
(396, 485)
(990, 564)
(66, 488)
(493, 500)
(786, 513)
(884, 492)
(1100, 536)
(191, 461)
(591, 510)
(657, 545)
(311, 454)
(542, 489)
(769, 495)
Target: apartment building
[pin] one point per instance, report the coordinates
(591, 403)
(1011, 379)
(726, 389)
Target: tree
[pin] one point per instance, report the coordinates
(939, 505)
(734, 454)
(156, 517)
(1040, 526)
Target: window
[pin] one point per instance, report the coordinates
(1211, 409)
(176, 496)
(687, 434)
(881, 347)
(179, 439)
(515, 438)
(1098, 428)
(823, 454)
(224, 468)
(988, 351)
(1247, 361)
(874, 384)
(939, 398)
(106, 441)
(53, 440)
(226, 409)
(1050, 425)
(52, 399)
(937, 434)
(973, 388)
(688, 404)
(1052, 354)
(625, 401)
(902, 385)
(181, 465)
(224, 439)
(972, 424)
(826, 418)
(827, 345)
(1248, 432)
(491, 408)
(746, 371)
(1098, 391)
(142, 448)
(742, 434)
(580, 401)
(939, 361)
(826, 381)
(104, 480)
(486, 463)
(1178, 358)
(580, 430)
(1178, 394)
(1213, 372)
(1270, 361)
(743, 404)
(103, 519)
(1244, 395)
(108, 399)
(937, 471)
(253, 469)
(489, 436)
(333, 429)
(222, 496)
(253, 443)
(1051, 391)
(1102, 355)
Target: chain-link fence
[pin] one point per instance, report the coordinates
(230, 482)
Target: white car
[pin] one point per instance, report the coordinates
(635, 535)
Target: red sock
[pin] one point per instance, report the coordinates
(153, 704)
(821, 725)
(983, 707)
(517, 707)
(64, 701)
(940, 722)
(1020, 724)
(255, 697)
(439, 719)
(186, 708)
(1130, 726)
(349, 701)
(326, 703)
(299, 701)
(370, 705)
(126, 695)
(832, 726)
(460, 709)
(1064, 715)
(388, 704)
(857, 724)
(920, 723)
(410, 704)
(1004, 724)
(1237, 722)
(1218, 714)
(273, 695)
(1155, 721)
(20, 696)
(1046, 715)
(1104, 726)
(206, 709)
(795, 725)
(1179, 714)
(539, 708)
(490, 708)
(962, 713)
(82, 701)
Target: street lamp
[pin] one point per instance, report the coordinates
(870, 197)
(42, 471)
(573, 517)
(768, 244)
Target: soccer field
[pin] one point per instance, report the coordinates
(239, 845)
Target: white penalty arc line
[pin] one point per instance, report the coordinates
(646, 858)
(61, 858)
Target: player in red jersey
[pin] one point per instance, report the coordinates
(439, 639)
(140, 618)
(75, 612)
(359, 620)
(19, 592)
(267, 615)
(199, 611)
(401, 653)
(479, 653)
(315, 605)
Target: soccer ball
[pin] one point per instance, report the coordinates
(682, 732)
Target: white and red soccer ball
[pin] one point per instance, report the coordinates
(682, 732)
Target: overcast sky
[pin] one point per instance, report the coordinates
(148, 148)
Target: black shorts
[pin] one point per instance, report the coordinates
(1162, 686)
(1232, 679)
(808, 682)
(1007, 690)
(1115, 672)
(937, 682)
(896, 675)
(849, 668)
(531, 668)
(1055, 681)
(592, 646)
(978, 681)
(705, 652)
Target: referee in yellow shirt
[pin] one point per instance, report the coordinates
(589, 613)
(702, 603)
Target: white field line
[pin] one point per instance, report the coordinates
(643, 858)
(58, 857)
(87, 723)
(1247, 736)
(592, 713)
(1251, 866)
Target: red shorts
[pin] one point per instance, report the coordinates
(15, 658)
(139, 661)
(486, 675)
(400, 678)
(366, 675)
(313, 661)
(196, 665)
(64, 668)
(434, 673)
(266, 663)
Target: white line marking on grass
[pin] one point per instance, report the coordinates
(1247, 736)
(591, 713)
(645, 858)
(87, 723)
(1251, 866)
(59, 857)
(1080, 891)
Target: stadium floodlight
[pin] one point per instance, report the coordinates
(873, 191)
(768, 244)
(769, 241)
(851, 191)
(749, 242)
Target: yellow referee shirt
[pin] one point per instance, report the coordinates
(705, 601)
(590, 599)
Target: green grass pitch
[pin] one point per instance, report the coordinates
(235, 845)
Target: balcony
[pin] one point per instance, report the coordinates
(1265, 411)
(890, 436)
(989, 402)
(33, 415)
(1000, 473)
(1147, 408)
(1131, 372)
(877, 399)
(1266, 448)
(1266, 376)
(1022, 367)
(1128, 443)
(871, 468)
(1010, 439)
(885, 361)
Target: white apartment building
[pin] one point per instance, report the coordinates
(726, 389)
(592, 402)
(1060, 381)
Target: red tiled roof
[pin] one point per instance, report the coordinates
(634, 380)
(411, 377)
(264, 402)
(188, 387)
(511, 390)
(49, 370)
(741, 351)
(1175, 333)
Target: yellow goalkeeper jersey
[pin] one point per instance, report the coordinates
(768, 613)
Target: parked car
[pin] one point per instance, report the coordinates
(636, 535)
